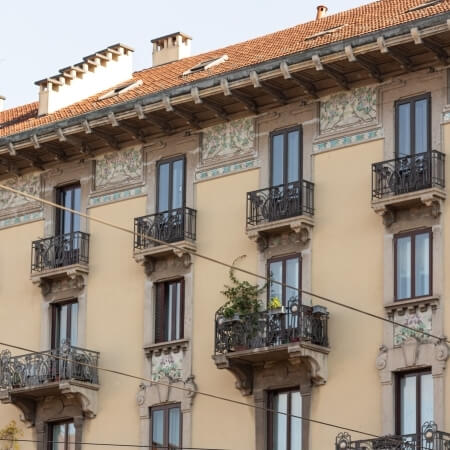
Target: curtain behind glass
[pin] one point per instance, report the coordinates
(404, 129)
(421, 126)
(422, 264)
(408, 403)
(174, 427)
(277, 160)
(280, 422)
(403, 267)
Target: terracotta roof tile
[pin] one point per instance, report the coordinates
(358, 21)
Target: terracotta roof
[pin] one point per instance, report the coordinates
(351, 23)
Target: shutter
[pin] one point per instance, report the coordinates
(159, 313)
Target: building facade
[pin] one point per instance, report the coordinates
(315, 157)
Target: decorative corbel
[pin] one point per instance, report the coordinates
(242, 372)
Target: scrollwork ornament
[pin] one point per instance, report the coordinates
(140, 397)
(381, 360)
(441, 350)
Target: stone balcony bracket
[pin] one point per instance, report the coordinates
(180, 345)
(76, 273)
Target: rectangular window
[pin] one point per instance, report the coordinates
(286, 156)
(170, 187)
(285, 270)
(169, 311)
(166, 427)
(413, 256)
(61, 436)
(285, 432)
(69, 197)
(414, 402)
(413, 132)
(64, 323)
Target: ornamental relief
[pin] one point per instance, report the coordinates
(228, 140)
(168, 365)
(417, 319)
(119, 168)
(349, 109)
(30, 184)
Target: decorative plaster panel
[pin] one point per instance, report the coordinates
(345, 141)
(446, 117)
(19, 220)
(228, 140)
(348, 109)
(417, 319)
(115, 196)
(226, 170)
(168, 365)
(119, 169)
(29, 184)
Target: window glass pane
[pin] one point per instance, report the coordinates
(276, 274)
(163, 187)
(178, 310)
(177, 185)
(408, 405)
(421, 126)
(277, 160)
(168, 311)
(70, 436)
(62, 332)
(292, 279)
(74, 324)
(293, 156)
(158, 427)
(58, 436)
(403, 267)
(426, 397)
(174, 427)
(280, 422)
(296, 424)
(76, 207)
(404, 129)
(422, 264)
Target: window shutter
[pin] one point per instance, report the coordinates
(159, 313)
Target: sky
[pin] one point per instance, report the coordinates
(39, 37)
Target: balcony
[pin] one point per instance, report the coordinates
(59, 256)
(428, 439)
(282, 207)
(247, 341)
(67, 370)
(409, 181)
(176, 226)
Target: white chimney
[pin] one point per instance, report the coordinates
(170, 48)
(2, 102)
(321, 11)
(97, 72)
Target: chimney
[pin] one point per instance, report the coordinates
(97, 72)
(321, 11)
(2, 102)
(171, 47)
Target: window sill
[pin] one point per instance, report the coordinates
(421, 302)
(166, 347)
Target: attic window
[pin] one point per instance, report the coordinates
(424, 5)
(121, 89)
(325, 32)
(205, 65)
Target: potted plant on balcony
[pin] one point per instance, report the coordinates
(275, 306)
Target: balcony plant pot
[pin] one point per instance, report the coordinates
(275, 311)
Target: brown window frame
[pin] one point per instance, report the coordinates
(398, 377)
(158, 184)
(161, 295)
(56, 309)
(412, 101)
(283, 259)
(51, 425)
(412, 235)
(270, 414)
(166, 409)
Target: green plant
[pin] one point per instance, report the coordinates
(275, 303)
(242, 296)
(9, 435)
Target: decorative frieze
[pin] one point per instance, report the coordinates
(115, 196)
(446, 116)
(226, 170)
(345, 141)
(19, 220)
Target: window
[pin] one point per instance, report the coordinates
(170, 184)
(205, 65)
(169, 311)
(69, 197)
(412, 123)
(64, 323)
(61, 436)
(286, 156)
(285, 432)
(414, 401)
(413, 256)
(285, 270)
(166, 427)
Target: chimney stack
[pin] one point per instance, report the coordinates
(321, 11)
(171, 47)
(2, 102)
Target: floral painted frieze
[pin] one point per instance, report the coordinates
(349, 109)
(30, 184)
(419, 320)
(168, 365)
(228, 140)
(119, 169)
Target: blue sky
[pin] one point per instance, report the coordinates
(39, 37)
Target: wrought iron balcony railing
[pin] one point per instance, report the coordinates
(429, 438)
(272, 328)
(408, 174)
(280, 202)
(168, 226)
(36, 369)
(60, 251)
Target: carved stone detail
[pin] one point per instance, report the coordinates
(410, 351)
(441, 350)
(242, 372)
(382, 357)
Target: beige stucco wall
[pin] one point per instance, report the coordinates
(220, 234)
(347, 265)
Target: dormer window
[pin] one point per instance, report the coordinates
(325, 32)
(205, 65)
(121, 89)
(424, 5)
